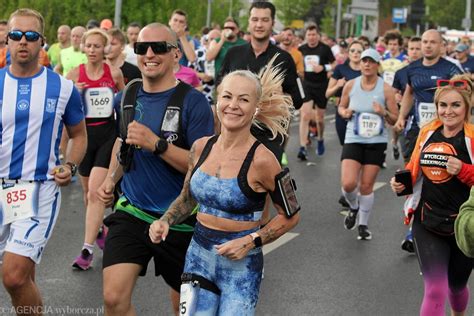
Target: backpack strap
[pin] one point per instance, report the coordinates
(127, 105)
(127, 114)
(171, 125)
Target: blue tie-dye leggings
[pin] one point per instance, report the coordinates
(238, 280)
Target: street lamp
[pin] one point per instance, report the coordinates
(118, 13)
(208, 19)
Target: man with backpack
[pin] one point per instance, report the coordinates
(166, 118)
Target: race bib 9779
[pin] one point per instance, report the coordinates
(426, 113)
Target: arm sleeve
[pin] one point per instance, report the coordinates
(74, 112)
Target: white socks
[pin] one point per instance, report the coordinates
(89, 247)
(351, 198)
(366, 202)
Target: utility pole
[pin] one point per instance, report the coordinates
(208, 20)
(118, 13)
(467, 21)
(338, 18)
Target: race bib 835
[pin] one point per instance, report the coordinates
(18, 200)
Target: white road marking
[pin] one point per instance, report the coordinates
(379, 185)
(329, 117)
(279, 242)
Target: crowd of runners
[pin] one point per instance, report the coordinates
(183, 137)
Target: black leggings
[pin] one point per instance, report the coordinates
(445, 269)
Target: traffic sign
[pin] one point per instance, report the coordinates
(466, 23)
(399, 15)
(365, 7)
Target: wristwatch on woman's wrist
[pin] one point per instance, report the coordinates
(257, 240)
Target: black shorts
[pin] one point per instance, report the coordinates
(317, 94)
(365, 154)
(100, 142)
(128, 242)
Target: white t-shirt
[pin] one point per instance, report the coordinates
(130, 55)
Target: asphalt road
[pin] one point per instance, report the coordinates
(319, 269)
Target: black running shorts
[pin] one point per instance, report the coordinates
(365, 154)
(128, 242)
(100, 142)
(317, 93)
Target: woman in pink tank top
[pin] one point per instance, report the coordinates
(98, 83)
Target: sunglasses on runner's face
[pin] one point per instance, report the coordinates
(163, 47)
(31, 36)
(459, 84)
(353, 50)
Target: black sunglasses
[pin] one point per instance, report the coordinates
(31, 36)
(230, 28)
(140, 48)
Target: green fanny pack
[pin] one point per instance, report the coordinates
(124, 205)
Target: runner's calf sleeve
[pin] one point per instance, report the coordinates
(351, 198)
(366, 202)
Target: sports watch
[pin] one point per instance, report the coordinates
(257, 240)
(160, 147)
(73, 168)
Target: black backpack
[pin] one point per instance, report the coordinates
(171, 125)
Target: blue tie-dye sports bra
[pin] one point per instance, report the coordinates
(230, 198)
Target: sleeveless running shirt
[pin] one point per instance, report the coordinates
(365, 126)
(98, 96)
(230, 198)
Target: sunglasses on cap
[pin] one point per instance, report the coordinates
(459, 84)
(30, 36)
(140, 48)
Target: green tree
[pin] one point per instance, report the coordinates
(442, 14)
(78, 12)
(328, 22)
(289, 10)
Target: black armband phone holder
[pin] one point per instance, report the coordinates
(284, 194)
